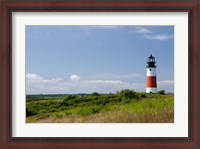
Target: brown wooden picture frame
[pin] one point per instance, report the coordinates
(9, 6)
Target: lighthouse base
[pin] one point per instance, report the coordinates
(151, 90)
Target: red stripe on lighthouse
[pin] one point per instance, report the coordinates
(151, 82)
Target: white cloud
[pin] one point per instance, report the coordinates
(57, 79)
(36, 84)
(58, 85)
(33, 76)
(115, 76)
(160, 37)
(74, 78)
(147, 34)
(36, 78)
(105, 82)
(141, 30)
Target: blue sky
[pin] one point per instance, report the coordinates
(85, 59)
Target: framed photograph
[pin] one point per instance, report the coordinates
(100, 74)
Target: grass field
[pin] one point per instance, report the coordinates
(125, 106)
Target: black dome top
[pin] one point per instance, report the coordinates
(151, 56)
(151, 61)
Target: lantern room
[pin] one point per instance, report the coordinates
(151, 62)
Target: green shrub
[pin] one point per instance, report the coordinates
(142, 94)
(53, 110)
(89, 110)
(161, 92)
(69, 97)
(63, 103)
(42, 111)
(30, 111)
(68, 113)
(95, 110)
(84, 111)
(95, 94)
(71, 102)
(50, 102)
(126, 101)
(128, 94)
(105, 101)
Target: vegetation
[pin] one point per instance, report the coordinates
(161, 92)
(126, 106)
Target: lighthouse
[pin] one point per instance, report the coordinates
(151, 83)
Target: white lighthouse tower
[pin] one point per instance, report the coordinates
(151, 83)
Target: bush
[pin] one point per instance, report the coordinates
(105, 101)
(95, 94)
(126, 101)
(128, 94)
(96, 110)
(42, 111)
(69, 97)
(64, 103)
(161, 92)
(30, 112)
(53, 110)
(89, 110)
(84, 111)
(68, 113)
(50, 102)
(143, 95)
